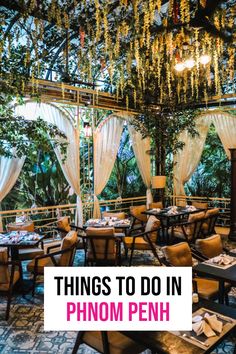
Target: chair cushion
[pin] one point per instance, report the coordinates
(26, 254)
(200, 205)
(68, 241)
(152, 224)
(210, 247)
(178, 255)
(189, 229)
(100, 243)
(100, 255)
(140, 243)
(100, 231)
(63, 223)
(137, 212)
(118, 343)
(181, 202)
(44, 262)
(208, 288)
(16, 277)
(211, 212)
(4, 269)
(205, 226)
(156, 205)
(178, 232)
(195, 217)
(120, 215)
(26, 226)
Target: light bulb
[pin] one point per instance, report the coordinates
(189, 63)
(205, 59)
(179, 67)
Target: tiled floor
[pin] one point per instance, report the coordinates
(24, 334)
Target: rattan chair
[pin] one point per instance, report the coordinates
(156, 205)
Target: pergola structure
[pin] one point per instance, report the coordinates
(128, 49)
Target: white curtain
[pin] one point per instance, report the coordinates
(187, 159)
(225, 125)
(71, 166)
(140, 147)
(106, 144)
(9, 172)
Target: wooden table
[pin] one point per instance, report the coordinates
(168, 343)
(169, 220)
(10, 241)
(222, 275)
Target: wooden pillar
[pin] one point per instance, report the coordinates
(232, 234)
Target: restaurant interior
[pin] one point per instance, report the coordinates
(117, 149)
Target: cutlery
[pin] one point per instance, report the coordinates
(195, 339)
(227, 319)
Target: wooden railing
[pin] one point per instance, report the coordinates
(45, 217)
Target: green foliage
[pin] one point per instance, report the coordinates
(42, 183)
(212, 177)
(163, 127)
(125, 180)
(22, 137)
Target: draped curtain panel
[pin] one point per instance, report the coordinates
(225, 125)
(187, 159)
(9, 173)
(106, 144)
(71, 166)
(140, 147)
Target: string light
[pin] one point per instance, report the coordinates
(179, 67)
(204, 59)
(189, 63)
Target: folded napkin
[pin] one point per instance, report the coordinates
(191, 207)
(172, 212)
(222, 259)
(93, 221)
(207, 325)
(122, 222)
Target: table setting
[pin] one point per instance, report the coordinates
(173, 210)
(223, 261)
(190, 208)
(17, 237)
(108, 221)
(207, 328)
